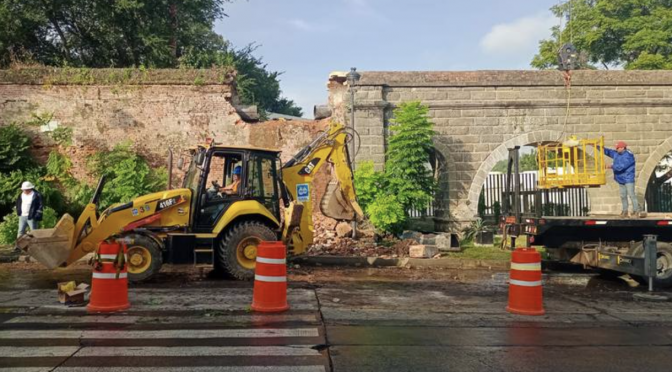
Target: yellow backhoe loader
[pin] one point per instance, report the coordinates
(205, 222)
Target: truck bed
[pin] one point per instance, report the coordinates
(558, 232)
(649, 216)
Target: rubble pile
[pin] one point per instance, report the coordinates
(335, 239)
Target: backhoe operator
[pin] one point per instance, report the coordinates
(232, 188)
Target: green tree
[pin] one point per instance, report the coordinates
(527, 162)
(134, 33)
(634, 34)
(407, 181)
(407, 167)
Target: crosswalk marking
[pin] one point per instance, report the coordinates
(170, 369)
(196, 369)
(42, 351)
(176, 351)
(130, 319)
(161, 334)
(165, 331)
(302, 350)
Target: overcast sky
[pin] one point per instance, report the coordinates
(307, 39)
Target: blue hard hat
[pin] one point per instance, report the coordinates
(237, 170)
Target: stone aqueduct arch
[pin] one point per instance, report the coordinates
(650, 166)
(479, 114)
(501, 153)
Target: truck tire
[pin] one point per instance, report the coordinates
(144, 258)
(664, 264)
(238, 248)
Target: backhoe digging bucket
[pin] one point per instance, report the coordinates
(50, 247)
(335, 205)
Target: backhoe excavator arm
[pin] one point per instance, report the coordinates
(339, 201)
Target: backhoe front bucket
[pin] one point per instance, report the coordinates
(335, 205)
(50, 247)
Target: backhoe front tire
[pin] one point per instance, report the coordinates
(238, 248)
(144, 258)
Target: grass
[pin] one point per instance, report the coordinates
(490, 252)
(472, 252)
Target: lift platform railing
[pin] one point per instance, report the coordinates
(573, 163)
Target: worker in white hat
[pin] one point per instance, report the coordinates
(29, 208)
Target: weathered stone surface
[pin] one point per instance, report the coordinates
(153, 111)
(343, 229)
(447, 242)
(422, 251)
(479, 114)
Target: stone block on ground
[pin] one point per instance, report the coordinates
(422, 251)
(409, 234)
(343, 229)
(448, 242)
(428, 239)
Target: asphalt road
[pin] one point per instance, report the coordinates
(341, 320)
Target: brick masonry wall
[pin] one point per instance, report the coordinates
(154, 110)
(478, 115)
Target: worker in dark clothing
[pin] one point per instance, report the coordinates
(624, 174)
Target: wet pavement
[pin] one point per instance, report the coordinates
(341, 320)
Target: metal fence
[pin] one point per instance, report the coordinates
(659, 198)
(421, 213)
(554, 202)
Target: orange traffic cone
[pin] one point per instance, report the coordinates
(270, 278)
(525, 291)
(109, 285)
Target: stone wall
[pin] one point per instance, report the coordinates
(152, 109)
(479, 114)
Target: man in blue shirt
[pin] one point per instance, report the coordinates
(624, 173)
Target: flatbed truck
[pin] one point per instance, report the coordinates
(640, 246)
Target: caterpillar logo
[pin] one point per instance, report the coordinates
(308, 169)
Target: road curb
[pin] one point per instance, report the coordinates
(400, 262)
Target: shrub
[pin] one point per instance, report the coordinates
(497, 208)
(387, 213)
(58, 166)
(369, 183)
(481, 205)
(62, 136)
(470, 232)
(49, 218)
(8, 229)
(128, 175)
(14, 145)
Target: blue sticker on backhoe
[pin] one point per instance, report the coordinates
(303, 192)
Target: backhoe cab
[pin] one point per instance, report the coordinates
(228, 203)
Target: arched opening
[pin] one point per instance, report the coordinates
(658, 196)
(533, 200)
(578, 202)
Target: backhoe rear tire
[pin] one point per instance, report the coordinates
(144, 258)
(238, 248)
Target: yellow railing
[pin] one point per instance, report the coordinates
(573, 163)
